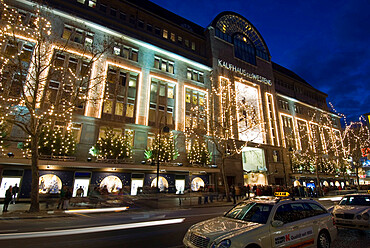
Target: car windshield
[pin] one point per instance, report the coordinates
(250, 211)
(361, 200)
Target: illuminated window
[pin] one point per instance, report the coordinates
(195, 111)
(284, 104)
(17, 52)
(195, 75)
(120, 95)
(92, 3)
(77, 35)
(173, 37)
(164, 65)
(69, 72)
(165, 34)
(162, 103)
(125, 51)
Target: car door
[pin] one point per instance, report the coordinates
(296, 231)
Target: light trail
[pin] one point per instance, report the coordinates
(43, 234)
(95, 210)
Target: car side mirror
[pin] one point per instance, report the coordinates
(277, 223)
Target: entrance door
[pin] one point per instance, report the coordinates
(84, 183)
(136, 183)
(180, 186)
(230, 180)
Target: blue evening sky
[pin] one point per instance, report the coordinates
(325, 42)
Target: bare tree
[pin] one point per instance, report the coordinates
(38, 87)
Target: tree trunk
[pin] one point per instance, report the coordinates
(357, 178)
(35, 205)
(318, 179)
(226, 185)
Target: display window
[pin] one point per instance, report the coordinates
(113, 183)
(135, 184)
(196, 183)
(49, 183)
(163, 183)
(180, 186)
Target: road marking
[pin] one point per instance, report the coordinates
(5, 236)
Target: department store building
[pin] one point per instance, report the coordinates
(167, 66)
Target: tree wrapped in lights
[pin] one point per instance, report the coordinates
(55, 142)
(198, 153)
(233, 122)
(163, 149)
(36, 88)
(356, 139)
(113, 146)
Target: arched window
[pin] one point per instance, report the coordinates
(233, 28)
(244, 49)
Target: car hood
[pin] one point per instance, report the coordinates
(222, 226)
(350, 209)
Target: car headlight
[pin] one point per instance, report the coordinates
(365, 216)
(358, 217)
(226, 243)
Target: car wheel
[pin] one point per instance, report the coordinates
(323, 240)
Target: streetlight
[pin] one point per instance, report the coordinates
(165, 129)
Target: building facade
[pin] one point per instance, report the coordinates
(159, 72)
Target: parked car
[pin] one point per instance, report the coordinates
(353, 211)
(266, 222)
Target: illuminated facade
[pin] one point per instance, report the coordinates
(160, 72)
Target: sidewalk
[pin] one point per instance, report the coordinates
(20, 209)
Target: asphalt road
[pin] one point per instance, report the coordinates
(128, 229)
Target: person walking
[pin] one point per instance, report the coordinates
(61, 197)
(7, 199)
(15, 190)
(67, 198)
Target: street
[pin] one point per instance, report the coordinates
(160, 228)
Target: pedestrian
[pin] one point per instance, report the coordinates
(80, 192)
(211, 194)
(248, 190)
(67, 198)
(15, 190)
(232, 192)
(7, 199)
(61, 197)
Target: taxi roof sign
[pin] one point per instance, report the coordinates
(282, 194)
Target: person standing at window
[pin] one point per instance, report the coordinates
(7, 199)
(15, 190)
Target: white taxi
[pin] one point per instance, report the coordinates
(353, 211)
(266, 223)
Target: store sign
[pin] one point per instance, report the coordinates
(243, 72)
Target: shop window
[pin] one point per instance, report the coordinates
(195, 111)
